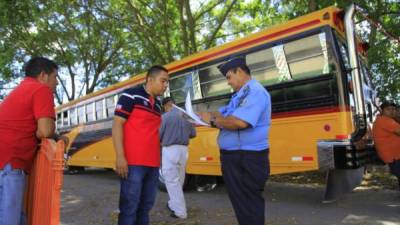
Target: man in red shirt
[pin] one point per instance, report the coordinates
(26, 115)
(386, 134)
(135, 134)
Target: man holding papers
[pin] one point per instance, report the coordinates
(243, 141)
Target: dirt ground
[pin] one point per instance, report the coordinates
(91, 198)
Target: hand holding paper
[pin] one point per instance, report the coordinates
(190, 113)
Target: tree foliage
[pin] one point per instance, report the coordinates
(384, 53)
(99, 42)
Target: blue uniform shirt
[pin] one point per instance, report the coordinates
(252, 103)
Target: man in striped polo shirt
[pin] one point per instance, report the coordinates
(136, 141)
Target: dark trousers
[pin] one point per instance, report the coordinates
(395, 169)
(245, 174)
(137, 195)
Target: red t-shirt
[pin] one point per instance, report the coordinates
(19, 113)
(141, 129)
(386, 141)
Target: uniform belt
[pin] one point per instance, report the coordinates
(244, 151)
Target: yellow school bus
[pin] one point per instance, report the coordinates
(321, 96)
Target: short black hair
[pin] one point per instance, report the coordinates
(387, 104)
(166, 100)
(37, 65)
(155, 70)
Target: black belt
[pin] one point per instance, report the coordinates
(243, 151)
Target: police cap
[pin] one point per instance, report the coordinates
(231, 64)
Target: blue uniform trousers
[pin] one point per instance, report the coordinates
(245, 174)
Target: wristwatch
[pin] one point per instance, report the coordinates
(212, 122)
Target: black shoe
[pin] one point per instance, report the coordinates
(172, 213)
(169, 209)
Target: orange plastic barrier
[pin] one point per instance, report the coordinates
(44, 185)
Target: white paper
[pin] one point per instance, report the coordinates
(188, 111)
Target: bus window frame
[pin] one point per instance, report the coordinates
(84, 113)
(90, 113)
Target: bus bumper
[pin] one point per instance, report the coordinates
(344, 165)
(342, 154)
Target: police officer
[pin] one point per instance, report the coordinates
(243, 141)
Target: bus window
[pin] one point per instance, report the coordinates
(59, 120)
(180, 85)
(89, 112)
(167, 93)
(262, 66)
(110, 104)
(81, 114)
(308, 57)
(73, 118)
(343, 52)
(99, 110)
(211, 105)
(310, 90)
(212, 82)
(65, 121)
(277, 95)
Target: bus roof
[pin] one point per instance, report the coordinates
(326, 16)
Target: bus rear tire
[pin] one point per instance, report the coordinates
(192, 182)
(189, 184)
(74, 169)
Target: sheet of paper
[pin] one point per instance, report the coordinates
(188, 111)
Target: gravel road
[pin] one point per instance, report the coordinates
(91, 198)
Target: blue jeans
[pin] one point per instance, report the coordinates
(137, 195)
(12, 187)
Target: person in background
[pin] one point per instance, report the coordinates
(397, 117)
(243, 141)
(175, 133)
(136, 140)
(386, 135)
(26, 115)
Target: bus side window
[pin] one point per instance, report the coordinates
(81, 114)
(212, 82)
(65, 121)
(308, 57)
(59, 120)
(110, 104)
(262, 67)
(73, 117)
(179, 86)
(210, 105)
(99, 109)
(90, 112)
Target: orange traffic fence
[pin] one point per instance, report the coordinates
(42, 199)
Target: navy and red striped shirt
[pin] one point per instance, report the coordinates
(141, 129)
